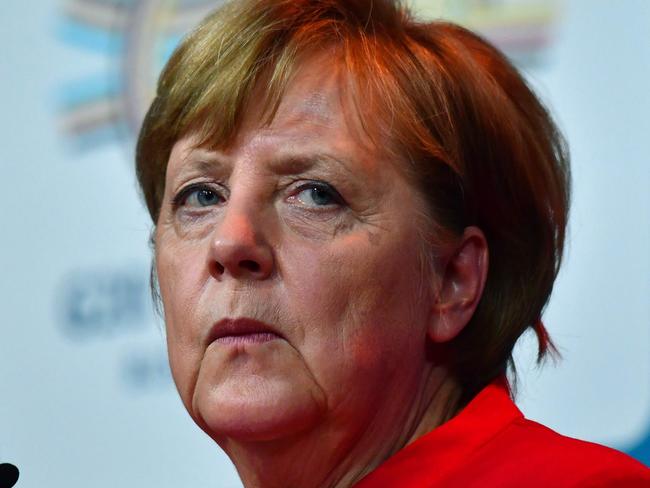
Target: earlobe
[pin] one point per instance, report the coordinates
(460, 286)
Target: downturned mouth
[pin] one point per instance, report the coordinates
(242, 330)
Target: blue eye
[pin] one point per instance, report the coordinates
(318, 195)
(198, 196)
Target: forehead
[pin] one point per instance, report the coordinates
(317, 94)
(316, 113)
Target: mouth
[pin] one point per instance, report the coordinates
(242, 331)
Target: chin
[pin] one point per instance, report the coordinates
(254, 409)
(257, 392)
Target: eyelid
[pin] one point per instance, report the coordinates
(321, 185)
(185, 191)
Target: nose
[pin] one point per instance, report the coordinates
(237, 249)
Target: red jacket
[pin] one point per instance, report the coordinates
(490, 444)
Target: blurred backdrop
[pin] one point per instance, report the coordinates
(86, 398)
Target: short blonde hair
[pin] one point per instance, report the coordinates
(479, 144)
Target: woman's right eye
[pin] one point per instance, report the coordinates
(198, 197)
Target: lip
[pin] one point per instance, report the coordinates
(242, 329)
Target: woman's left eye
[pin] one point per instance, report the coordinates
(318, 194)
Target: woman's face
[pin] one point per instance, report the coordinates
(290, 272)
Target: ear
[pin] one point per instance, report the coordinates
(460, 286)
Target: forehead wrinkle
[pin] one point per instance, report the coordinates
(190, 160)
(312, 94)
(316, 108)
(324, 111)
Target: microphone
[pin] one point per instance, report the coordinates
(8, 475)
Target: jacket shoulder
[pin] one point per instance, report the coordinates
(553, 459)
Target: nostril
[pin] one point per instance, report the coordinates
(217, 268)
(249, 265)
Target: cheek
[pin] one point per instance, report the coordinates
(358, 301)
(179, 277)
(182, 271)
(363, 325)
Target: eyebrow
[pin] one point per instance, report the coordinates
(205, 162)
(293, 164)
(300, 163)
(281, 164)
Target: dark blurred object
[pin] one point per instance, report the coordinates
(8, 475)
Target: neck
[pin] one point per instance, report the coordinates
(330, 457)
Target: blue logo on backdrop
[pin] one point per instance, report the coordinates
(134, 38)
(101, 303)
(145, 369)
